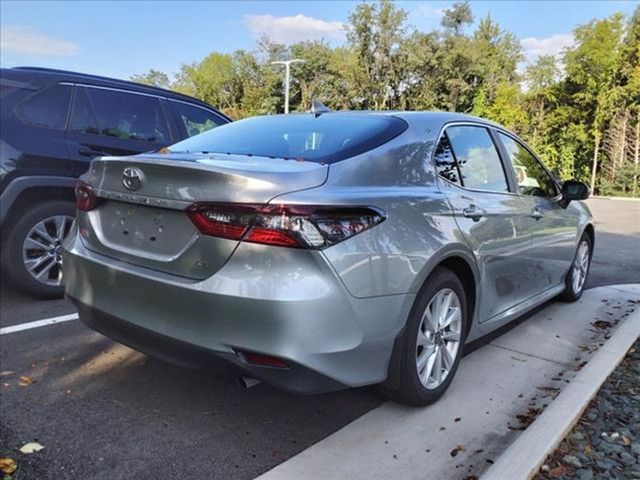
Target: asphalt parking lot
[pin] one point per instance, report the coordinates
(103, 411)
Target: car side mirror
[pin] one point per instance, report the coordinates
(574, 190)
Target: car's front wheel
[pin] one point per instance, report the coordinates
(32, 248)
(577, 275)
(432, 342)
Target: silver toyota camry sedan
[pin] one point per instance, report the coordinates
(320, 251)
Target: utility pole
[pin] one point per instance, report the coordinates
(287, 78)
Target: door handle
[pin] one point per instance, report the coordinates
(90, 152)
(473, 212)
(536, 213)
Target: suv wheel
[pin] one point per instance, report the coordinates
(433, 340)
(32, 252)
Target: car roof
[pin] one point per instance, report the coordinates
(41, 76)
(437, 116)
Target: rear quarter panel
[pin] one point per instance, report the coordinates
(419, 231)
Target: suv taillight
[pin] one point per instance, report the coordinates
(297, 226)
(86, 198)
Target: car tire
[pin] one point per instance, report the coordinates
(578, 272)
(13, 253)
(416, 386)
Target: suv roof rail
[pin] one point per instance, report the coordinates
(115, 80)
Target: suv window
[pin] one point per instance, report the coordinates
(477, 158)
(119, 114)
(47, 108)
(445, 161)
(531, 176)
(196, 119)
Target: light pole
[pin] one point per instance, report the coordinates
(287, 78)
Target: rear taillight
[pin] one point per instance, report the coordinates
(297, 226)
(86, 198)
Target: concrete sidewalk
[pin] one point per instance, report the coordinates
(498, 390)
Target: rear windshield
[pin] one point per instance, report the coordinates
(327, 138)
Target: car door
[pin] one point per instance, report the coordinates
(106, 121)
(490, 216)
(33, 130)
(554, 229)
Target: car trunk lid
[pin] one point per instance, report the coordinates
(141, 218)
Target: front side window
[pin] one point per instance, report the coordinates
(531, 177)
(119, 114)
(196, 119)
(326, 138)
(477, 158)
(47, 108)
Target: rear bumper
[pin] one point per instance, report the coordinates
(275, 301)
(296, 379)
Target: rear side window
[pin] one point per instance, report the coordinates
(327, 138)
(477, 158)
(446, 162)
(196, 119)
(47, 108)
(119, 114)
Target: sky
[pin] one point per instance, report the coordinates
(120, 38)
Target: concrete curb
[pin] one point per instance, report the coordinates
(599, 197)
(523, 458)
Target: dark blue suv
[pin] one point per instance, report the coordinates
(53, 123)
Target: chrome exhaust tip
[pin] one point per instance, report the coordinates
(247, 382)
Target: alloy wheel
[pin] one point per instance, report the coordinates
(580, 267)
(439, 337)
(42, 249)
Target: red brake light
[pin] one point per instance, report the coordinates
(86, 198)
(296, 226)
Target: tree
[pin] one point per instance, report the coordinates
(457, 17)
(153, 77)
(376, 33)
(591, 68)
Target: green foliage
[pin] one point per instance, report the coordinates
(579, 111)
(154, 78)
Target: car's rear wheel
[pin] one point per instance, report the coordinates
(577, 275)
(432, 342)
(32, 248)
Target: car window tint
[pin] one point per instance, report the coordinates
(46, 108)
(121, 115)
(477, 158)
(325, 138)
(196, 119)
(532, 178)
(83, 118)
(445, 161)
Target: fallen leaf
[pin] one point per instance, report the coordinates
(601, 324)
(25, 380)
(31, 447)
(458, 449)
(558, 471)
(625, 440)
(8, 465)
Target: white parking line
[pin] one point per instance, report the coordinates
(38, 323)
